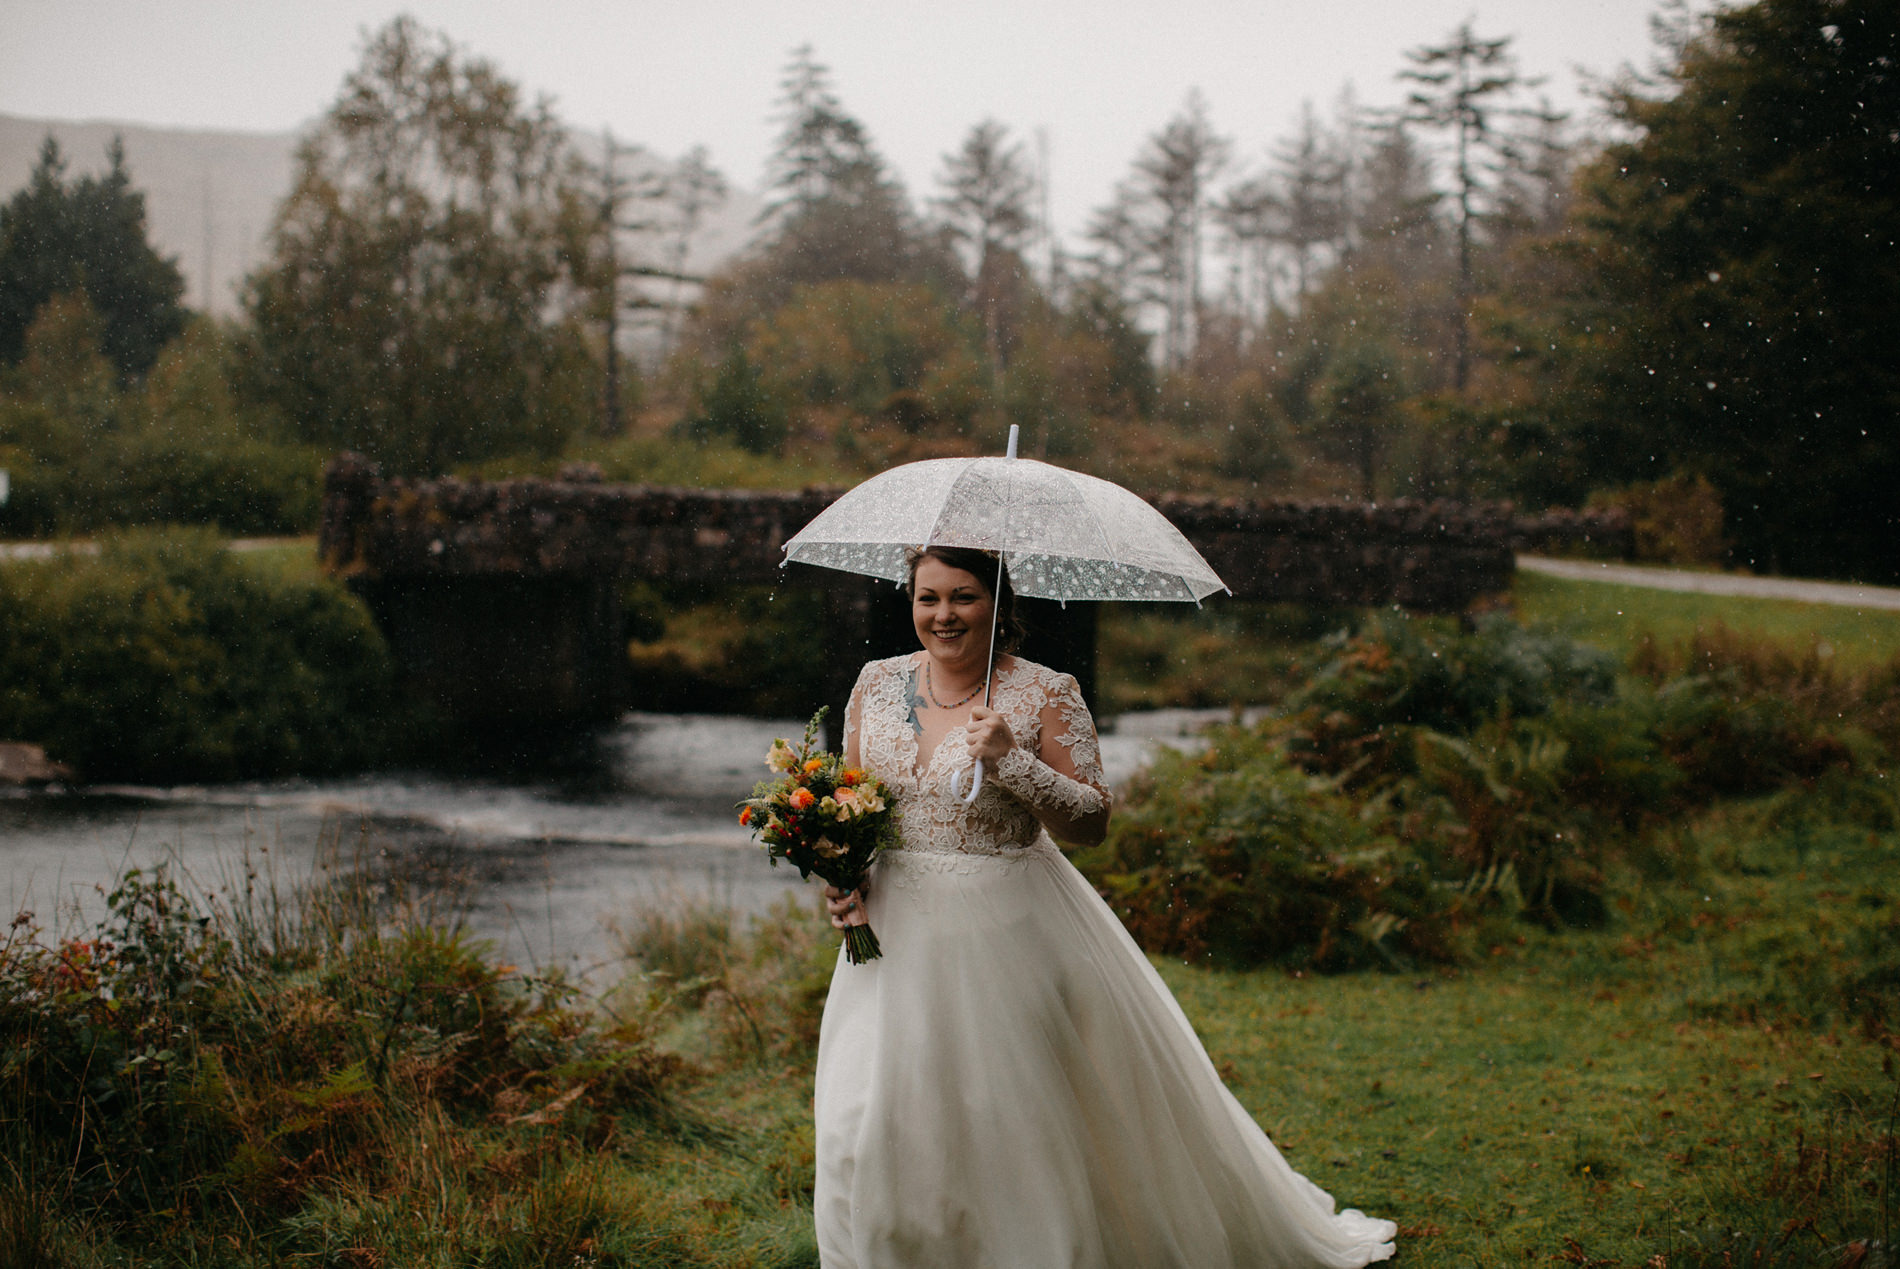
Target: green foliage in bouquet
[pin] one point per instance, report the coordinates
(825, 818)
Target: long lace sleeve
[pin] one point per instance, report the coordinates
(853, 720)
(1062, 782)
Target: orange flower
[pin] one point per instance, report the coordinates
(850, 776)
(745, 815)
(813, 764)
(802, 798)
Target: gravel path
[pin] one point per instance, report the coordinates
(1843, 594)
(47, 550)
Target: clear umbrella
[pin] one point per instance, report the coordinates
(1063, 535)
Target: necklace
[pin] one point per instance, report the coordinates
(931, 691)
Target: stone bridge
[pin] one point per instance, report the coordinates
(502, 599)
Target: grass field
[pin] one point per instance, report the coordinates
(1621, 617)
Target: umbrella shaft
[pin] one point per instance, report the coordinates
(996, 591)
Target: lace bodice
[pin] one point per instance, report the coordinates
(1034, 699)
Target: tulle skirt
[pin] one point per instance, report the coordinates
(1012, 1085)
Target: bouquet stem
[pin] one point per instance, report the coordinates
(860, 945)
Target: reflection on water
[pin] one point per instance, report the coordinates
(543, 866)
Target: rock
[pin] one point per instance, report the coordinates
(28, 764)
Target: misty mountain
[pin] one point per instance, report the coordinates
(210, 196)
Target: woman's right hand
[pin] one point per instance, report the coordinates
(844, 903)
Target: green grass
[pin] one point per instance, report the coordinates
(1619, 618)
(1679, 1084)
(1676, 1085)
(286, 559)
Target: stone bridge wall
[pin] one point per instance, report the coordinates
(502, 597)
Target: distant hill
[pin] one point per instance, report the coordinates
(210, 196)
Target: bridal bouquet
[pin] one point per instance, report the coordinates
(825, 818)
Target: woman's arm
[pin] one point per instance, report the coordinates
(1061, 781)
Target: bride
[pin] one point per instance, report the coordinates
(1011, 1084)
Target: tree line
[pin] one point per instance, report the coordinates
(1461, 295)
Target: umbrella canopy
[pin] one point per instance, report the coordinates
(1065, 535)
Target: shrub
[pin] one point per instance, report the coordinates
(737, 405)
(172, 1065)
(1550, 799)
(1236, 856)
(167, 658)
(1398, 674)
(1676, 520)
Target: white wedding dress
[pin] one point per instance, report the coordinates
(1012, 1085)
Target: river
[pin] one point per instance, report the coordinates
(543, 867)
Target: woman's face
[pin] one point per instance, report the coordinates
(951, 610)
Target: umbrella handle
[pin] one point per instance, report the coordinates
(976, 782)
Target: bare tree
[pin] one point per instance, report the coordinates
(624, 208)
(692, 189)
(1249, 214)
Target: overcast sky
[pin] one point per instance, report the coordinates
(1097, 76)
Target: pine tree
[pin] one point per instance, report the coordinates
(1150, 238)
(1464, 88)
(1739, 304)
(986, 187)
(59, 235)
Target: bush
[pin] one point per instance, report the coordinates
(1399, 674)
(1676, 520)
(152, 478)
(1423, 778)
(737, 405)
(1237, 857)
(166, 658)
(181, 1064)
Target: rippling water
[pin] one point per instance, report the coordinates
(542, 867)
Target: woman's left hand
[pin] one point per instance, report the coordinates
(988, 735)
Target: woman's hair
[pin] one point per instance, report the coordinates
(982, 566)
